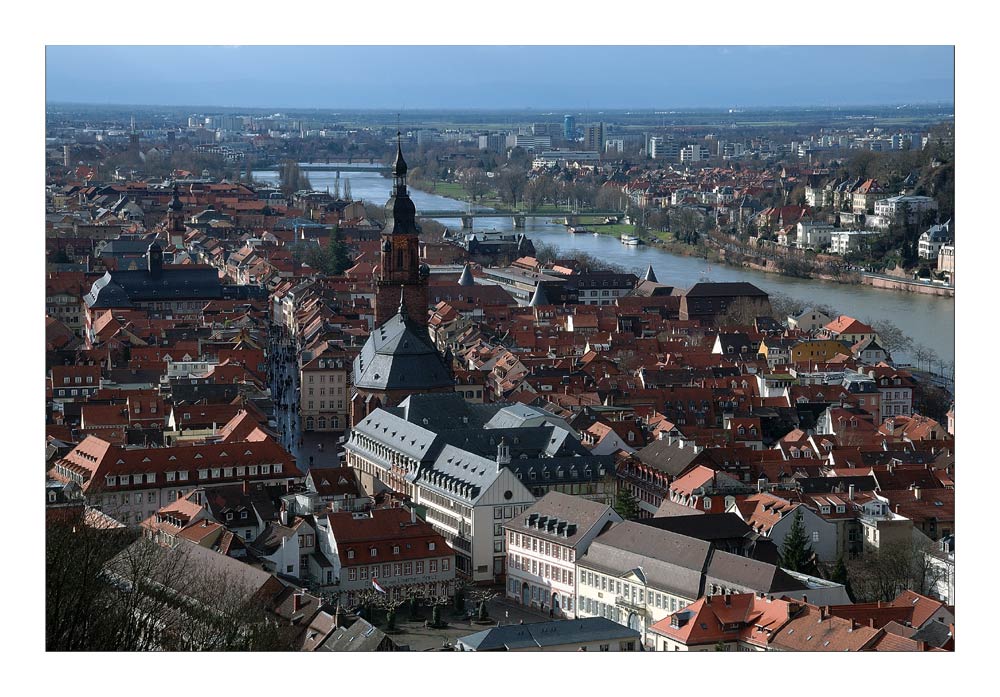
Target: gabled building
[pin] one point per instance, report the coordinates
(543, 544)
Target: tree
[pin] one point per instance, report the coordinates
(890, 336)
(721, 645)
(107, 590)
(840, 575)
(741, 312)
(481, 596)
(292, 178)
(625, 504)
(477, 184)
(338, 253)
(347, 189)
(686, 225)
(796, 551)
(884, 572)
(511, 184)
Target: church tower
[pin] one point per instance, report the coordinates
(399, 266)
(176, 229)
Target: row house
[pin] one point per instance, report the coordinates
(132, 484)
(637, 575)
(543, 544)
(389, 547)
(324, 391)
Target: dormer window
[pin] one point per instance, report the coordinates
(350, 554)
(431, 546)
(373, 552)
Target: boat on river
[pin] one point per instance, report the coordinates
(631, 240)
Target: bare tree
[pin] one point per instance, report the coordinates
(890, 336)
(477, 184)
(108, 590)
(885, 572)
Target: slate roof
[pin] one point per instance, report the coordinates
(360, 636)
(666, 457)
(122, 288)
(708, 526)
(714, 290)
(683, 565)
(400, 356)
(561, 508)
(538, 635)
(669, 560)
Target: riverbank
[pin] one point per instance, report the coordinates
(906, 286)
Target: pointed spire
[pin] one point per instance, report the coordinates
(650, 275)
(466, 279)
(399, 166)
(538, 298)
(402, 302)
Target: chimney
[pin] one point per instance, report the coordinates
(246, 487)
(413, 515)
(850, 492)
(727, 599)
(296, 602)
(916, 492)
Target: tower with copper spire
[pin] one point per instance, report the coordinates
(399, 263)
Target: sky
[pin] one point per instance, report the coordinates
(499, 77)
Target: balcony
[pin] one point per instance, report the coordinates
(634, 606)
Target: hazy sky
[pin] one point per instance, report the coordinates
(499, 77)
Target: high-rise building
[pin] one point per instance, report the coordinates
(663, 148)
(569, 127)
(494, 142)
(594, 138)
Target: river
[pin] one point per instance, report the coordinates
(928, 320)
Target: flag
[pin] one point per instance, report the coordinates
(379, 588)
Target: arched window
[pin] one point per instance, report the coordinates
(322, 423)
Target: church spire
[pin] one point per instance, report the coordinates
(399, 166)
(402, 302)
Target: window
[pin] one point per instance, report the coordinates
(350, 554)
(373, 552)
(605, 647)
(432, 566)
(243, 515)
(352, 574)
(151, 497)
(445, 564)
(407, 568)
(815, 537)
(395, 549)
(420, 567)
(397, 569)
(170, 476)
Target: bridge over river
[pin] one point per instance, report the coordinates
(518, 217)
